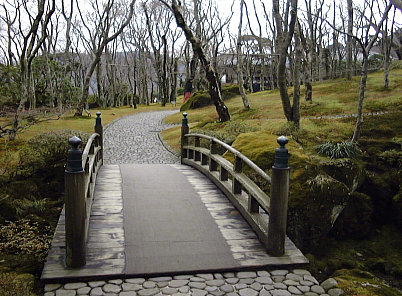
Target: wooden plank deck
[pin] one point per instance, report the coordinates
(174, 221)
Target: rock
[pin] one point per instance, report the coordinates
(148, 292)
(184, 289)
(329, 284)
(294, 277)
(149, 285)
(262, 273)
(280, 286)
(198, 292)
(169, 291)
(49, 294)
(161, 279)
(279, 272)
(217, 293)
(227, 288)
(216, 283)
(304, 289)
(301, 272)
(229, 274)
(264, 293)
(256, 286)
(197, 279)
(197, 285)
(310, 294)
(74, 286)
(51, 287)
(66, 292)
(182, 277)
(129, 293)
(218, 276)
(162, 284)
(240, 286)
(280, 293)
(95, 284)
(232, 281)
(311, 279)
(135, 281)
(116, 282)
(96, 292)
(247, 281)
(248, 292)
(335, 292)
(246, 275)
(83, 291)
(131, 287)
(111, 288)
(178, 283)
(317, 289)
(278, 278)
(290, 283)
(294, 290)
(306, 283)
(206, 276)
(265, 280)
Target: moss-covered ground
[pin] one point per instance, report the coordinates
(364, 191)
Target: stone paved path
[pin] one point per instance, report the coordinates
(135, 139)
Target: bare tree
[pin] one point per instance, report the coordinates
(100, 38)
(239, 67)
(214, 83)
(284, 36)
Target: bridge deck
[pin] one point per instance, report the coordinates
(174, 220)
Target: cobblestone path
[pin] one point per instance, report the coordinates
(135, 139)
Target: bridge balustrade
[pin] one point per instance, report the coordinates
(80, 176)
(265, 214)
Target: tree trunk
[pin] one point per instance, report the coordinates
(363, 82)
(349, 41)
(239, 67)
(296, 77)
(213, 81)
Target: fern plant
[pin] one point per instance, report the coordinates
(338, 150)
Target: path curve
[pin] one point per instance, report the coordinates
(135, 139)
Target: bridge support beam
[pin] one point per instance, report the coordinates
(99, 130)
(75, 206)
(279, 200)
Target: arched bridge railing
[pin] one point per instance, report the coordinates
(266, 214)
(80, 176)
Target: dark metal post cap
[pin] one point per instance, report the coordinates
(184, 121)
(75, 142)
(281, 154)
(282, 140)
(98, 114)
(74, 158)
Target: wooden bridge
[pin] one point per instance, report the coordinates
(203, 215)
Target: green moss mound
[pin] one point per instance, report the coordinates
(13, 284)
(202, 98)
(361, 283)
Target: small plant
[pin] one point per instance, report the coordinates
(338, 150)
(24, 237)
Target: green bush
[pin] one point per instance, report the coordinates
(45, 151)
(13, 284)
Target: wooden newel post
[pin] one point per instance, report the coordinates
(75, 207)
(99, 130)
(184, 140)
(279, 200)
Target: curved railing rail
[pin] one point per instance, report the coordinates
(80, 176)
(265, 214)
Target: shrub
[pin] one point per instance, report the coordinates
(13, 284)
(338, 150)
(25, 237)
(47, 150)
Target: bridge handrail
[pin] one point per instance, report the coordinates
(236, 153)
(80, 176)
(243, 192)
